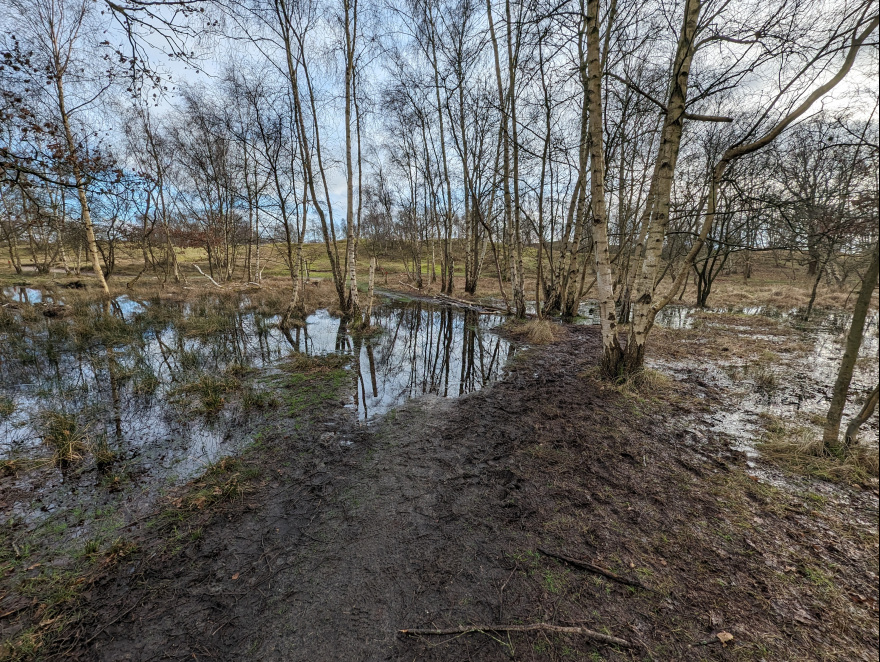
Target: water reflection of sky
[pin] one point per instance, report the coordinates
(23, 294)
(45, 365)
(421, 349)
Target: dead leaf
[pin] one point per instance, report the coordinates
(724, 637)
(235, 576)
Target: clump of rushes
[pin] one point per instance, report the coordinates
(648, 381)
(237, 370)
(253, 398)
(104, 455)
(209, 390)
(65, 435)
(799, 448)
(93, 325)
(144, 381)
(7, 407)
(302, 363)
(11, 466)
(764, 377)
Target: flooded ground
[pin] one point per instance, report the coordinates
(104, 407)
(437, 517)
(422, 349)
(339, 519)
(768, 365)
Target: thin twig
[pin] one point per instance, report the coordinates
(597, 569)
(534, 627)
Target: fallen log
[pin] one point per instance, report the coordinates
(546, 627)
(207, 276)
(445, 298)
(596, 569)
(413, 287)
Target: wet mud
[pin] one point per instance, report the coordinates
(433, 517)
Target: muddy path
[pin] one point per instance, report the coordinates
(433, 518)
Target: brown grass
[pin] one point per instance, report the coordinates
(305, 364)
(65, 435)
(227, 480)
(774, 282)
(534, 331)
(648, 381)
(800, 450)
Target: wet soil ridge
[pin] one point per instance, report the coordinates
(433, 520)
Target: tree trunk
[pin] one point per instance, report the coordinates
(91, 243)
(352, 308)
(831, 434)
(818, 279)
(662, 178)
(611, 350)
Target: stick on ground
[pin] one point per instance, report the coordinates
(547, 627)
(595, 568)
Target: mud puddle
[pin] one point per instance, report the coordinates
(156, 391)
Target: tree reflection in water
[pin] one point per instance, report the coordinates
(116, 366)
(422, 349)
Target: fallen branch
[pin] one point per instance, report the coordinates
(546, 627)
(445, 299)
(207, 276)
(470, 305)
(597, 569)
(410, 286)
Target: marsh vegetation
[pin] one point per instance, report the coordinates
(327, 327)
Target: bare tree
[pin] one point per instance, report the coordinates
(831, 433)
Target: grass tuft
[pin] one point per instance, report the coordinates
(800, 449)
(226, 480)
(305, 364)
(763, 376)
(209, 391)
(534, 331)
(7, 407)
(65, 435)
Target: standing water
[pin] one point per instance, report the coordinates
(151, 392)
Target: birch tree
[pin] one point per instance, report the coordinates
(62, 35)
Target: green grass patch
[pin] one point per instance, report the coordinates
(309, 382)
